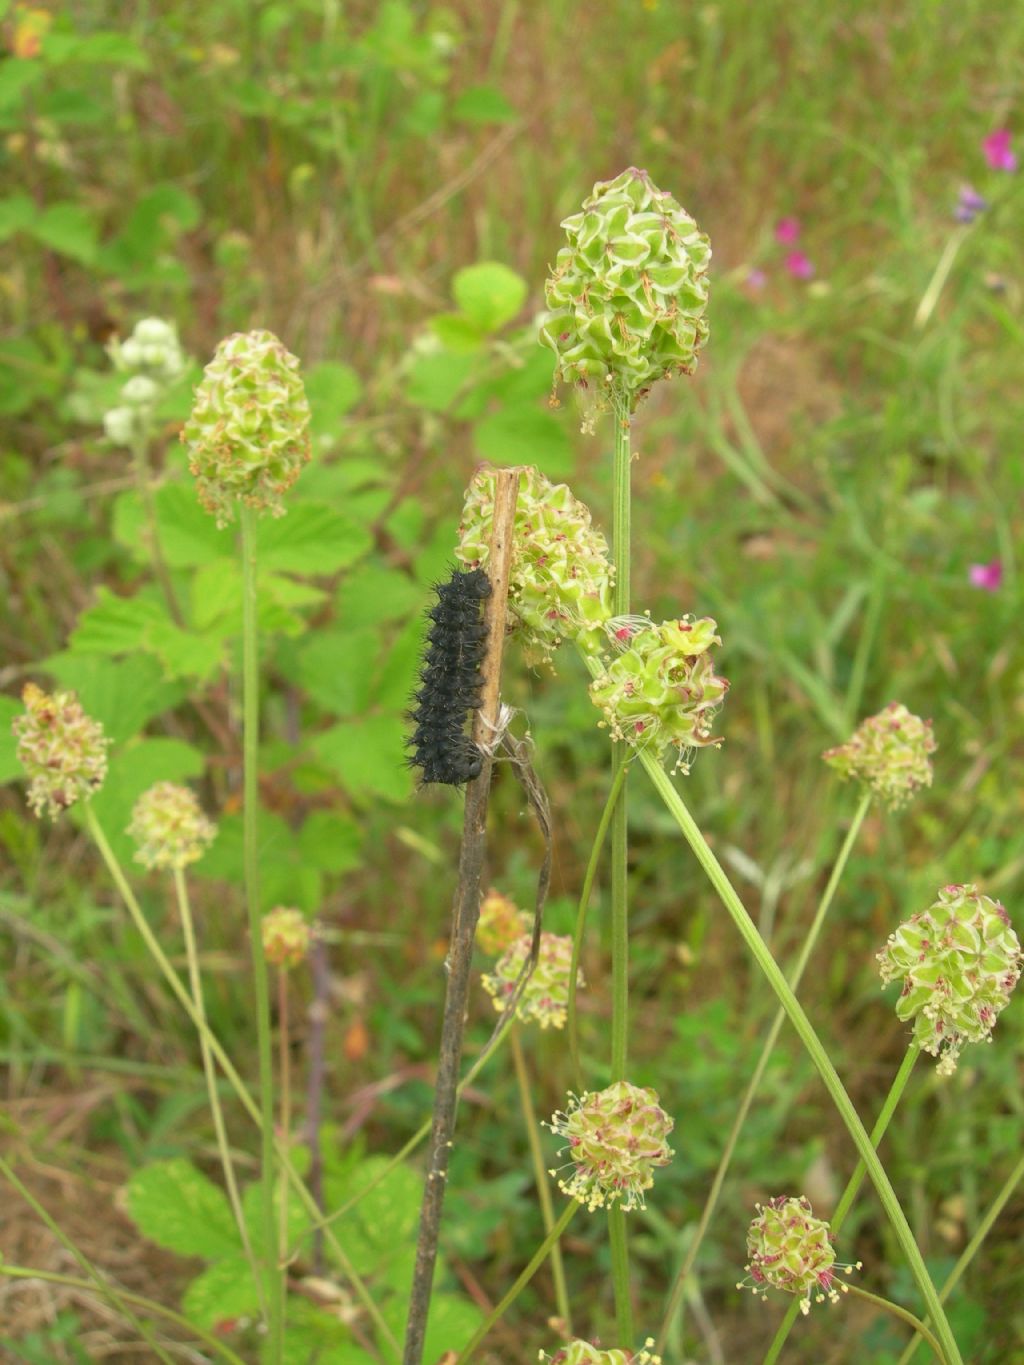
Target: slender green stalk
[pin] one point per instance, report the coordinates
(209, 1071)
(261, 989)
(971, 1249)
(140, 459)
(25, 1272)
(115, 1297)
(711, 1203)
(621, 513)
(853, 1185)
(812, 1043)
(895, 1310)
(536, 1261)
(540, 1175)
(285, 1075)
(581, 919)
(231, 1072)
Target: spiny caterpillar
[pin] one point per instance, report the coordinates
(450, 682)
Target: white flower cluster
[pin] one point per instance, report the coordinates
(153, 360)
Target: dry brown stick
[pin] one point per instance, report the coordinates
(465, 912)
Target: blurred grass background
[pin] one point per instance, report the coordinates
(848, 449)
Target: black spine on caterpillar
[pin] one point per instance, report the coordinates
(450, 682)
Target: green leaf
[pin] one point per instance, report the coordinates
(490, 294)
(312, 538)
(368, 756)
(15, 78)
(333, 667)
(217, 594)
(483, 104)
(69, 229)
(9, 765)
(225, 1290)
(188, 535)
(435, 381)
(123, 695)
(133, 769)
(451, 1323)
(313, 1335)
(287, 876)
(179, 1209)
(525, 435)
(331, 842)
(373, 593)
(117, 625)
(394, 680)
(186, 653)
(16, 213)
(333, 390)
(457, 334)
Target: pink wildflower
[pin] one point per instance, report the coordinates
(987, 576)
(997, 150)
(756, 279)
(787, 231)
(799, 265)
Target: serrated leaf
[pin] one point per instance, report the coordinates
(312, 538)
(333, 390)
(117, 625)
(187, 653)
(188, 536)
(286, 877)
(489, 294)
(373, 593)
(225, 1290)
(122, 695)
(69, 229)
(179, 1209)
(368, 756)
(330, 842)
(333, 667)
(217, 594)
(451, 1324)
(525, 435)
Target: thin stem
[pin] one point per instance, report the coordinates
(621, 513)
(540, 1175)
(971, 1249)
(140, 459)
(23, 1272)
(116, 1299)
(711, 1203)
(812, 1043)
(261, 989)
(536, 1261)
(216, 1112)
(285, 1074)
(231, 1072)
(897, 1311)
(581, 918)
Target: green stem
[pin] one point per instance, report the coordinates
(971, 1249)
(853, 1185)
(581, 918)
(711, 1203)
(209, 1071)
(541, 1176)
(115, 1297)
(231, 1072)
(620, 856)
(261, 989)
(140, 459)
(895, 1310)
(536, 1261)
(23, 1272)
(812, 1043)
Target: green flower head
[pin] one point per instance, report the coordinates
(617, 1138)
(889, 754)
(248, 434)
(545, 996)
(169, 827)
(583, 1353)
(791, 1250)
(629, 290)
(959, 961)
(63, 751)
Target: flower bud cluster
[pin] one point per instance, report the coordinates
(959, 961)
(617, 1138)
(286, 935)
(63, 751)
(560, 582)
(545, 995)
(248, 433)
(629, 290)
(169, 827)
(792, 1250)
(153, 360)
(662, 691)
(888, 753)
(583, 1353)
(500, 924)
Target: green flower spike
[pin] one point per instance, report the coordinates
(889, 754)
(959, 960)
(248, 434)
(790, 1249)
(63, 751)
(287, 935)
(500, 924)
(628, 292)
(560, 583)
(662, 691)
(169, 827)
(582, 1353)
(617, 1138)
(545, 997)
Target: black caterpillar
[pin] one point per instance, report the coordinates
(450, 682)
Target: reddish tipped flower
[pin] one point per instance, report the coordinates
(617, 1138)
(169, 827)
(287, 935)
(987, 576)
(63, 751)
(787, 231)
(889, 753)
(791, 1250)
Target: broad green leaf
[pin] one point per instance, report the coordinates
(451, 1323)
(312, 538)
(187, 653)
(490, 294)
(458, 334)
(16, 213)
(287, 876)
(435, 380)
(252, 1212)
(94, 49)
(373, 593)
(179, 1209)
(217, 594)
(122, 695)
(117, 625)
(15, 78)
(188, 535)
(69, 229)
(333, 390)
(133, 769)
(525, 435)
(225, 1290)
(395, 679)
(368, 756)
(330, 842)
(483, 104)
(335, 668)
(313, 1334)
(9, 765)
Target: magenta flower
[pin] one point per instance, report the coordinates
(987, 576)
(997, 150)
(801, 267)
(787, 231)
(969, 204)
